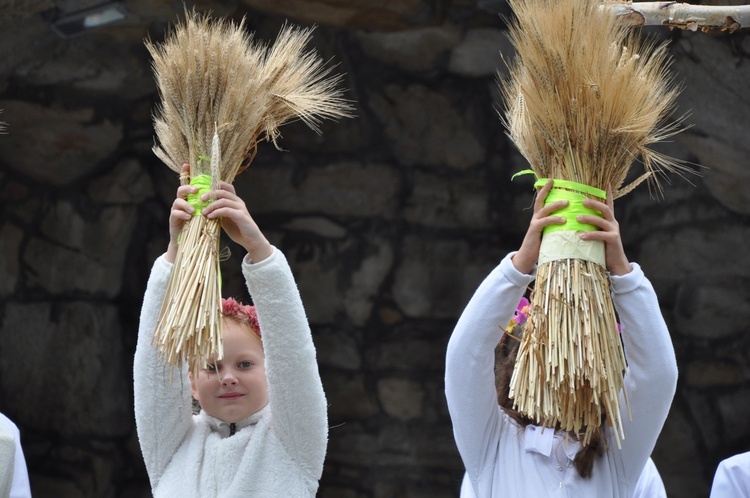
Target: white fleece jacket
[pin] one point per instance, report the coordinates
(493, 447)
(276, 452)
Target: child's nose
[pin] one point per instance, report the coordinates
(229, 378)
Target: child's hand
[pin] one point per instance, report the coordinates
(609, 232)
(526, 257)
(236, 221)
(181, 212)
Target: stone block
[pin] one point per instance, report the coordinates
(713, 374)
(337, 189)
(348, 397)
(401, 398)
(425, 128)
(88, 254)
(678, 455)
(478, 54)
(460, 202)
(338, 347)
(733, 408)
(65, 365)
(55, 145)
(348, 14)
(127, 183)
(701, 309)
(437, 276)
(10, 243)
(414, 50)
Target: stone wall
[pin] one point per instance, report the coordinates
(389, 220)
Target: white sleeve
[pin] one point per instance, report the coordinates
(470, 362)
(651, 378)
(295, 391)
(163, 409)
(732, 478)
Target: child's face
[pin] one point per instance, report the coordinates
(240, 388)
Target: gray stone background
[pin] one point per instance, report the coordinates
(389, 220)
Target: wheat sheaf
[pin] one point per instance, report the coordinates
(586, 100)
(221, 93)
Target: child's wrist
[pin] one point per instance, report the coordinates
(258, 250)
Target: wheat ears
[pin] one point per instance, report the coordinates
(585, 98)
(222, 93)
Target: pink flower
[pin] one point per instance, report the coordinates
(522, 311)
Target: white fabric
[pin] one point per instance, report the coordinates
(649, 484)
(492, 445)
(14, 477)
(732, 478)
(279, 450)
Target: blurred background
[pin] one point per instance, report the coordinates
(389, 220)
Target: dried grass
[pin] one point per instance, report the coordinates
(586, 97)
(222, 93)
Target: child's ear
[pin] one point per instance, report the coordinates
(193, 390)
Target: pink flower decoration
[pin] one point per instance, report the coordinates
(522, 311)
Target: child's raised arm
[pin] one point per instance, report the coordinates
(163, 410)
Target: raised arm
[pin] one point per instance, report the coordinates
(298, 404)
(469, 371)
(163, 409)
(470, 361)
(651, 379)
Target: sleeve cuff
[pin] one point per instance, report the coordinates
(248, 265)
(622, 284)
(513, 275)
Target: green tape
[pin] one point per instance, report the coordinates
(569, 185)
(565, 190)
(203, 182)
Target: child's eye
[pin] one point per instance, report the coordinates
(246, 364)
(211, 367)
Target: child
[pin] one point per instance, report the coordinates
(507, 455)
(262, 430)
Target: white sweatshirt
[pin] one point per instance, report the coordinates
(503, 459)
(276, 452)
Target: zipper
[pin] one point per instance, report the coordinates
(232, 429)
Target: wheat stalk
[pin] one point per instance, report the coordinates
(585, 98)
(221, 93)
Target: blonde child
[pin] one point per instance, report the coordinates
(262, 430)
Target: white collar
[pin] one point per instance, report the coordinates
(225, 429)
(542, 439)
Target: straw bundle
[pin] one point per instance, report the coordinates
(221, 93)
(585, 98)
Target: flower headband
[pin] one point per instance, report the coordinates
(519, 316)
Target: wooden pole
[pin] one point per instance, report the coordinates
(683, 15)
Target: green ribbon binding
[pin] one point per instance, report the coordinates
(573, 192)
(203, 182)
